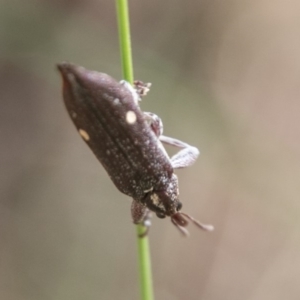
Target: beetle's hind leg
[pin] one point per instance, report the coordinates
(141, 87)
(138, 90)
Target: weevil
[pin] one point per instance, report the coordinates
(128, 143)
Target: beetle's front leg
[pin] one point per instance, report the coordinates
(141, 215)
(185, 157)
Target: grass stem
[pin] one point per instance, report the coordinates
(145, 273)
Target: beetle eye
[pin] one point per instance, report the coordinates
(179, 206)
(160, 215)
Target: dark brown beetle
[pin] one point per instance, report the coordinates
(128, 143)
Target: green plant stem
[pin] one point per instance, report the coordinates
(124, 37)
(145, 273)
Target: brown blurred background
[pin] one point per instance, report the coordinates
(225, 78)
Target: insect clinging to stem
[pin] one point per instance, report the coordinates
(128, 143)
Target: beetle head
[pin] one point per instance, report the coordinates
(166, 203)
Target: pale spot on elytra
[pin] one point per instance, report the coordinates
(130, 117)
(73, 114)
(84, 134)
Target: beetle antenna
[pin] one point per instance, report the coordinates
(181, 229)
(206, 227)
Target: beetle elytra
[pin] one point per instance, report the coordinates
(128, 142)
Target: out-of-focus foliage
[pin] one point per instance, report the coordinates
(225, 78)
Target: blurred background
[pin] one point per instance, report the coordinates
(225, 78)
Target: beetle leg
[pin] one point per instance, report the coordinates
(141, 87)
(141, 215)
(185, 157)
(135, 95)
(155, 123)
(138, 212)
(138, 90)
